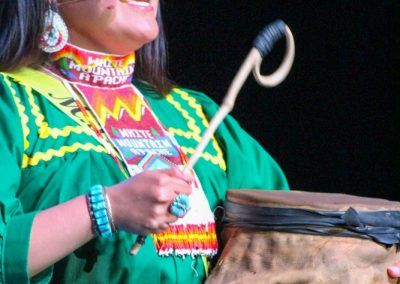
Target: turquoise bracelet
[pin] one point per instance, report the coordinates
(100, 212)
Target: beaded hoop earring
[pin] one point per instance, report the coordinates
(55, 33)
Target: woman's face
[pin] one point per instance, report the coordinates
(112, 26)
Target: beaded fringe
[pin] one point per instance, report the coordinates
(187, 239)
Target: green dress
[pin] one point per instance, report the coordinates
(48, 157)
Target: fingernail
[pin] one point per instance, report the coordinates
(394, 271)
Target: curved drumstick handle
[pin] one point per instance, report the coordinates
(275, 31)
(262, 46)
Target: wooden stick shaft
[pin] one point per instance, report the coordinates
(227, 105)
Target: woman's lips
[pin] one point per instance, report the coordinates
(142, 5)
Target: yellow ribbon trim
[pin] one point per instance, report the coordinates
(55, 91)
(195, 131)
(49, 87)
(44, 130)
(24, 117)
(49, 154)
(21, 110)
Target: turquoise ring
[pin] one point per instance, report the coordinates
(180, 206)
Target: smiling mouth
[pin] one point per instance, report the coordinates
(144, 3)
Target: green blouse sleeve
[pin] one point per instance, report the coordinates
(15, 225)
(248, 164)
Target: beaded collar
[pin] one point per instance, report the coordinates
(95, 69)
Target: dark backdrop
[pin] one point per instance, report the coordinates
(331, 125)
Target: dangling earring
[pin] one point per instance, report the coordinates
(55, 34)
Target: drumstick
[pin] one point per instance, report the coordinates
(261, 47)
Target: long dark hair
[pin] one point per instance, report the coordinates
(21, 25)
(152, 60)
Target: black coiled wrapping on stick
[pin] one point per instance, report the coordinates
(269, 36)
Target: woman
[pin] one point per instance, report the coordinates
(90, 160)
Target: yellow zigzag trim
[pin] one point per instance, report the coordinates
(200, 113)
(44, 130)
(216, 160)
(197, 107)
(191, 123)
(23, 116)
(49, 154)
(21, 110)
(195, 132)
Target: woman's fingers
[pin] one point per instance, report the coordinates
(142, 202)
(181, 180)
(159, 224)
(178, 173)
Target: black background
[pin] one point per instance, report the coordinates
(331, 124)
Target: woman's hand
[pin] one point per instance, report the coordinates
(140, 204)
(394, 270)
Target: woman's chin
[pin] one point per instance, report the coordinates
(134, 43)
(123, 44)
